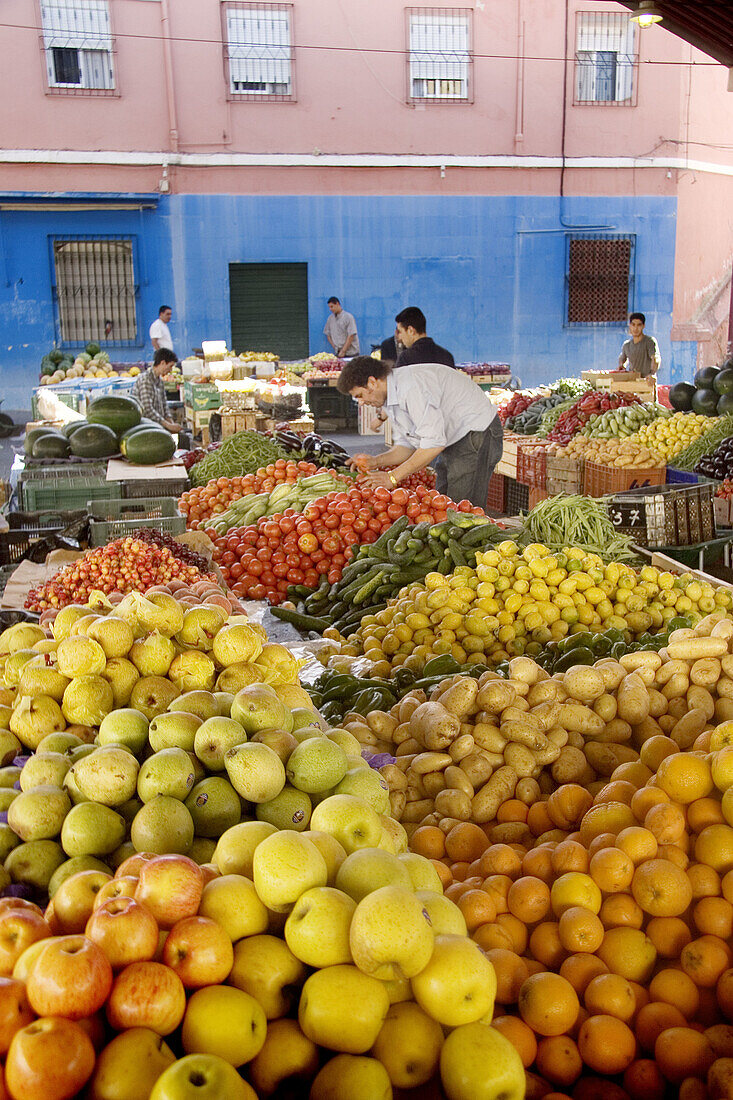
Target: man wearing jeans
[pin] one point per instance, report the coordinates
(438, 415)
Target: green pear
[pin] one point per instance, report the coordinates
(72, 867)
(34, 862)
(368, 869)
(91, 829)
(9, 775)
(129, 809)
(7, 795)
(39, 814)
(8, 841)
(317, 764)
(305, 733)
(202, 703)
(302, 717)
(108, 775)
(175, 729)
(59, 742)
(122, 853)
(291, 809)
(167, 772)
(255, 771)
(257, 707)
(346, 740)
(368, 784)
(214, 737)
(44, 769)
(163, 825)
(124, 727)
(202, 850)
(80, 751)
(224, 700)
(10, 746)
(214, 806)
(236, 847)
(279, 741)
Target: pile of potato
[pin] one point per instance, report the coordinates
(627, 452)
(473, 744)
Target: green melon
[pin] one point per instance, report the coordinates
(117, 412)
(31, 436)
(51, 445)
(147, 448)
(94, 441)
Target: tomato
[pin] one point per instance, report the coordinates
(281, 569)
(394, 511)
(296, 576)
(255, 568)
(374, 524)
(360, 525)
(229, 557)
(338, 559)
(308, 543)
(287, 524)
(331, 522)
(323, 566)
(265, 554)
(258, 592)
(236, 570)
(331, 545)
(334, 576)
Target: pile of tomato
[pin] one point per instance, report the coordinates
(261, 560)
(214, 498)
(426, 477)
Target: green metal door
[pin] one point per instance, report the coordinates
(269, 308)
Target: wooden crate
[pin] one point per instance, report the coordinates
(563, 475)
(507, 465)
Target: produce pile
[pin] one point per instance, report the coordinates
(214, 498)
(125, 565)
(529, 421)
(518, 403)
(611, 452)
(262, 560)
(114, 425)
(311, 447)
(288, 496)
(242, 453)
(622, 422)
(711, 394)
(705, 444)
(668, 437)
(515, 602)
(57, 366)
(583, 826)
(592, 403)
(563, 521)
(190, 458)
(718, 464)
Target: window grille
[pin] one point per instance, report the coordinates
(95, 290)
(439, 55)
(599, 279)
(605, 59)
(78, 46)
(258, 51)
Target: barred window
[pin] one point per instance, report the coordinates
(605, 58)
(439, 57)
(95, 290)
(599, 279)
(78, 46)
(259, 51)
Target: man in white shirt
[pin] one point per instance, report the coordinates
(341, 331)
(438, 415)
(159, 331)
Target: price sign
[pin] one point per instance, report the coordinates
(627, 513)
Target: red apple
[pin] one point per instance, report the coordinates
(74, 900)
(19, 928)
(15, 1011)
(50, 1059)
(209, 871)
(200, 952)
(96, 1028)
(117, 888)
(171, 887)
(19, 903)
(49, 915)
(71, 977)
(132, 865)
(125, 930)
(147, 994)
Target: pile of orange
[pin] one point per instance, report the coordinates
(610, 926)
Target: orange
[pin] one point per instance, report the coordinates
(460, 870)
(661, 888)
(575, 888)
(714, 916)
(719, 1080)
(666, 821)
(674, 987)
(606, 817)
(512, 810)
(685, 777)
(669, 935)
(683, 1052)
(704, 880)
(598, 1088)
(548, 1004)
(428, 841)
(703, 812)
(612, 995)
(456, 890)
(604, 840)
(444, 873)
(675, 853)
(511, 973)
(724, 993)
(538, 819)
(714, 846)
(721, 1039)
(581, 969)
(545, 945)
(534, 966)
(653, 1019)
(644, 799)
(606, 1045)
(569, 855)
(538, 863)
(620, 790)
(643, 1080)
(641, 994)
(519, 1035)
(705, 959)
(500, 859)
(498, 887)
(726, 886)
(558, 1060)
(612, 870)
(619, 911)
(637, 843)
(580, 930)
(488, 936)
(515, 929)
(628, 952)
(528, 899)
(654, 750)
(478, 908)
(633, 771)
(465, 841)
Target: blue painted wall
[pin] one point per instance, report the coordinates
(489, 272)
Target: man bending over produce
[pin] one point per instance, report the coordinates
(438, 415)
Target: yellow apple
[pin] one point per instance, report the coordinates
(287, 1054)
(445, 916)
(129, 1065)
(236, 847)
(342, 1009)
(369, 869)
(478, 1063)
(201, 1077)
(421, 871)
(266, 968)
(390, 935)
(458, 985)
(284, 866)
(353, 822)
(232, 902)
(398, 989)
(317, 929)
(409, 1045)
(224, 1021)
(333, 852)
(348, 1077)
(396, 831)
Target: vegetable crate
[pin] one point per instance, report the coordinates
(665, 515)
(681, 477)
(496, 493)
(113, 519)
(516, 496)
(201, 395)
(600, 481)
(532, 463)
(72, 400)
(509, 458)
(162, 487)
(53, 491)
(563, 475)
(27, 528)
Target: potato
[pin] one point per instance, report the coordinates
(558, 736)
(646, 729)
(426, 762)
(724, 710)
(697, 647)
(445, 824)
(394, 778)
(547, 691)
(416, 811)
(527, 791)
(575, 739)
(667, 723)
(646, 658)
(496, 695)
(546, 715)
(611, 671)
(677, 686)
(604, 759)
(498, 789)
(722, 629)
(682, 635)
(408, 748)
(516, 711)
(569, 766)
(401, 733)
(657, 702)
(646, 675)
(606, 707)
(546, 783)
(462, 746)
(382, 724)
(583, 683)
(524, 733)
(460, 697)
(688, 728)
(677, 708)
(434, 783)
(669, 669)
(700, 698)
(452, 803)
(489, 737)
(415, 788)
(406, 707)
(576, 716)
(397, 803)
(633, 699)
(616, 731)
(477, 769)
(705, 672)
(434, 726)
(546, 756)
(724, 687)
(520, 758)
(524, 668)
(457, 780)
(511, 832)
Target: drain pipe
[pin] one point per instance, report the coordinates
(169, 85)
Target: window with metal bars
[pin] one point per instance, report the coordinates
(78, 47)
(599, 279)
(605, 59)
(439, 55)
(258, 51)
(95, 290)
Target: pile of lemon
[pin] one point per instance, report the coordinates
(515, 601)
(668, 436)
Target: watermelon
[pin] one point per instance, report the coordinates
(116, 412)
(72, 426)
(144, 425)
(148, 447)
(92, 349)
(725, 404)
(704, 378)
(705, 402)
(681, 395)
(94, 441)
(51, 444)
(32, 436)
(55, 355)
(723, 382)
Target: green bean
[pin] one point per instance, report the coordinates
(577, 521)
(242, 453)
(721, 429)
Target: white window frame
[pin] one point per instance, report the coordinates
(83, 26)
(258, 51)
(439, 55)
(603, 39)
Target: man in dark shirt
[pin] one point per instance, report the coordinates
(418, 348)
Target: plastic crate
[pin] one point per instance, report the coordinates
(69, 471)
(496, 493)
(516, 496)
(72, 400)
(163, 487)
(27, 528)
(113, 519)
(600, 481)
(532, 464)
(666, 515)
(201, 395)
(681, 477)
(53, 492)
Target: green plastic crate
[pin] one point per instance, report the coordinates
(201, 395)
(71, 400)
(53, 492)
(113, 519)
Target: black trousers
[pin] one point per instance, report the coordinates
(464, 469)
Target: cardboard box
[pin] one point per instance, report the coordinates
(201, 395)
